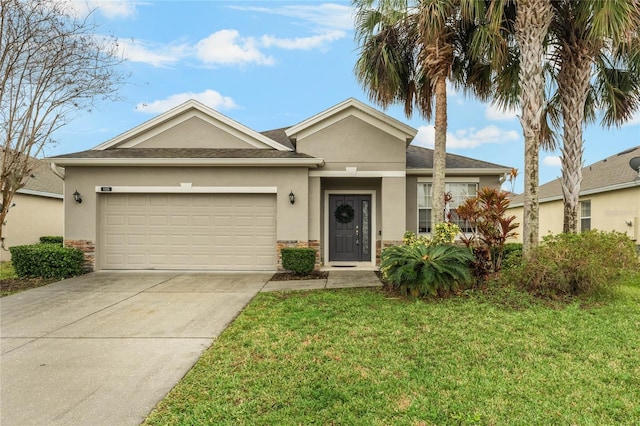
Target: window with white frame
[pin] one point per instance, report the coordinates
(459, 193)
(585, 216)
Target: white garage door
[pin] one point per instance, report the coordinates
(188, 231)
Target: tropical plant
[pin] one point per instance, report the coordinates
(408, 51)
(485, 214)
(596, 53)
(422, 270)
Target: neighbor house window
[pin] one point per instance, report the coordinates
(459, 193)
(585, 216)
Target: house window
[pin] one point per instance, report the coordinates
(459, 193)
(585, 216)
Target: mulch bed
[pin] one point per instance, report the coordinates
(288, 276)
(14, 285)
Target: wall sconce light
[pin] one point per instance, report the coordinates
(292, 198)
(77, 197)
(629, 223)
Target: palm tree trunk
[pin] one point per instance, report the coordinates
(532, 22)
(439, 153)
(573, 86)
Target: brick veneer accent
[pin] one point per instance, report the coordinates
(314, 244)
(380, 245)
(87, 247)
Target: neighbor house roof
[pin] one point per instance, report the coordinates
(42, 182)
(605, 175)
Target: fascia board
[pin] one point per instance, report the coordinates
(463, 171)
(151, 162)
(39, 193)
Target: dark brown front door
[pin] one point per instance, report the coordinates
(349, 228)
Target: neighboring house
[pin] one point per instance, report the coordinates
(609, 199)
(38, 210)
(193, 189)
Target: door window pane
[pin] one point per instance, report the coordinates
(365, 227)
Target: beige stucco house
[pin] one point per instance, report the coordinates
(37, 210)
(609, 199)
(193, 189)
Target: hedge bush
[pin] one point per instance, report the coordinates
(574, 264)
(300, 261)
(46, 261)
(51, 239)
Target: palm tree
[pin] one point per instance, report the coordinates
(598, 39)
(514, 33)
(408, 51)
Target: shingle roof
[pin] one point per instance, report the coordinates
(184, 153)
(610, 172)
(279, 136)
(42, 179)
(422, 158)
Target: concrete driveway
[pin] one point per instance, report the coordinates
(104, 348)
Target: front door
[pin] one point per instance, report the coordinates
(349, 228)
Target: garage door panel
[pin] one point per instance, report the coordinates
(187, 231)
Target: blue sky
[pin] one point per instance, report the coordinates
(272, 64)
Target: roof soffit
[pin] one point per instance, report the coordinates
(181, 114)
(352, 108)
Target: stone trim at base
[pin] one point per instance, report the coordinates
(88, 248)
(382, 244)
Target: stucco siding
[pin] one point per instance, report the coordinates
(352, 142)
(193, 133)
(31, 218)
(610, 211)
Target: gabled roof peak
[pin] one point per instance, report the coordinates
(338, 111)
(189, 108)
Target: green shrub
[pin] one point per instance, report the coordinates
(574, 264)
(47, 261)
(298, 260)
(512, 255)
(421, 269)
(51, 239)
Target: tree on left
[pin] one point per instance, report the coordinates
(52, 66)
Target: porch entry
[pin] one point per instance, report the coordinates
(349, 228)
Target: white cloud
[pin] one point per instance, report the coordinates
(495, 113)
(326, 16)
(467, 138)
(302, 43)
(210, 98)
(110, 9)
(552, 160)
(634, 121)
(155, 55)
(227, 47)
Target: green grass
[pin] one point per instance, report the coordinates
(7, 271)
(364, 357)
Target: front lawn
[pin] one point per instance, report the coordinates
(363, 356)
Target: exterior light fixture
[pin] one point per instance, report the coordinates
(292, 197)
(77, 197)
